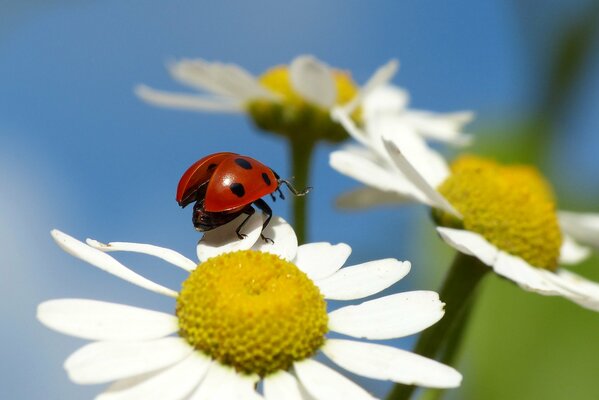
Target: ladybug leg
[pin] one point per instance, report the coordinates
(249, 211)
(281, 195)
(294, 190)
(272, 196)
(265, 208)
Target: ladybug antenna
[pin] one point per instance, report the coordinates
(293, 189)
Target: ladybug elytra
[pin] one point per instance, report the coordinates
(225, 185)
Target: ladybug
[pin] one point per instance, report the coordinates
(225, 185)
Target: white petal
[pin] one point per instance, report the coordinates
(526, 276)
(323, 383)
(101, 362)
(583, 227)
(103, 261)
(320, 260)
(223, 383)
(173, 383)
(374, 175)
(435, 198)
(187, 101)
(283, 236)
(578, 289)
(223, 79)
(388, 317)
(168, 255)
(382, 362)
(313, 80)
(363, 280)
(571, 252)
(367, 197)
(428, 162)
(224, 238)
(470, 243)
(99, 320)
(380, 77)
(281, 386)
(443, 127)
(339, 114)
(387, 99)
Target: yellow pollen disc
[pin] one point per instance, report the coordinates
(277, 80)
(510, 206)
(253, 311)
(293, 115)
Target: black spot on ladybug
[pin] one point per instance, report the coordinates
(237, 189)
(211, 167)
(266, 178)
(245, 164)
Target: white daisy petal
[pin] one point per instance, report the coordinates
(388, 317)
(102, 362)
(470, 243)
(320, 260)
(281, 386)
(187, 101)
(173, 383)
(578, 289)
(443, 127)
(380, 77)
(339, 114)
(386, 99)
(374, 175)
(323, 383)
(223, 383)
(224, 238)
(428, 162)
(525, 275)
(105, 262)
(435, 198)
(363, 280)
(367, 197)
(99, 320)
(583, 227)
(200, 74)
(313, 80)
(168, 255)
(284, 240)
(243, 84)
(571, 252)
(382, 362)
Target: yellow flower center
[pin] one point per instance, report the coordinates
(511, 206)
(295, 115)
(253, 311)
(277, 80)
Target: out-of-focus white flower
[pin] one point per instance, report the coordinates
(503, 215)
(288, 100)
(250, 311)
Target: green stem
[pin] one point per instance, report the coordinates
(301, 157)
(457, 292)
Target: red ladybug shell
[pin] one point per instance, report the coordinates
(234, 181)
(238, 181)
(198, 173)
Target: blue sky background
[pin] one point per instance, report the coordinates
(79, 152)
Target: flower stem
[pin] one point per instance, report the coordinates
(458, 293)
(301, 157)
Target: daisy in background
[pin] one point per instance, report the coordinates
(291, 100)
(251, 312)
(505, 216)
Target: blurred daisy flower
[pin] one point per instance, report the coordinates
(289, 100)
(251, 312)
(503, 215)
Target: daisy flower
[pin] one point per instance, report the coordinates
(287, 100)
(248, 321)
(503, 215)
